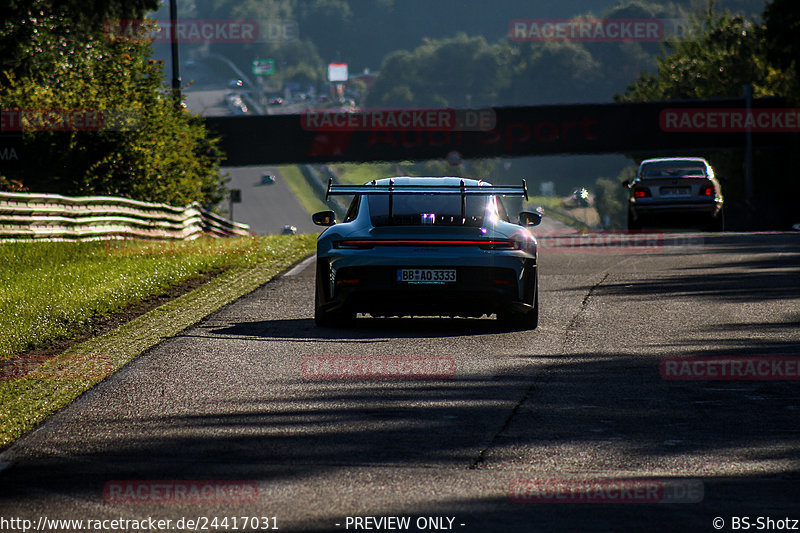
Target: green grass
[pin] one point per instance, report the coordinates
(128, 272)
(553, 208)
(50, 291)
(301, 189)
(545, 201)
(357, 174)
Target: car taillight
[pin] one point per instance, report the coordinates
(505, 244)
(707, 190)
(486, 244)
(354, 244)
(641, 192)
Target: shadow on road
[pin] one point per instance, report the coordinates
(364, 329)
(613, 407)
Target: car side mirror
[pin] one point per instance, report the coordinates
(324, 218)
(529, 218)
(626, 184)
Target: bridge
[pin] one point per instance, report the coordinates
(400, 135)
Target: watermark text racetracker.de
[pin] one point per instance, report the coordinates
(610, 241)
(149, 523)
(606, 491)
(73, 367)
(443, 119)
(742, 368)
(595, 30)
(180, 492)
(729, 120)
(203, 30)
(377, 367)
(68, 119)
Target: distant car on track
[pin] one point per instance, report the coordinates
(675, 189)
(267, 179)
(426, 246)
(289, 230)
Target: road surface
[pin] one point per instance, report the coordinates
(267, 208)
(581, 397)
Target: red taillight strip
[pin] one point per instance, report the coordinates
(426, 242)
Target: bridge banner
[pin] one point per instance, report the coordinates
(318, 136)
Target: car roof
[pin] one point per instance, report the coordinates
(675, 160)
(429, 180)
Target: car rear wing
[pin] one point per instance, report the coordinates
(463, 190)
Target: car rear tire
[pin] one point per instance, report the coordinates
(633, 224)
(717, 223)
(529, 320)
(329, 319)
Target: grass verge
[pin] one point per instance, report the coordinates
(297, 183)
(554, 208)
(31, 388)
(360, 173)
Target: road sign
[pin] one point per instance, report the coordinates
(236, 196)
(337, 72)
(263, 67)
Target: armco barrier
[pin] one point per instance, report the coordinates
(320, 188)
(56, 217)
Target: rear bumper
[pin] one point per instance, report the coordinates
(477, 291)
(661, 207)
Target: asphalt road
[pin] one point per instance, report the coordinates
(267, 208)
(581, 397)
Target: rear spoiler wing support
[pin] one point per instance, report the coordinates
(462, 189)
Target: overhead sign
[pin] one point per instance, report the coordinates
(263, 67)
(337, 72)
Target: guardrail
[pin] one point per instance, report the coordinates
(55, 217)
(320, 188)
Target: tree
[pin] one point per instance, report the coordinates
(460, 71)
(782, 34)
(63, 20)
(722, 53)
(610, 200)
(141, 147)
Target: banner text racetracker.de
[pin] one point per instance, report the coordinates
(517, 131)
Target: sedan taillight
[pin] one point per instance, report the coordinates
(707, 190)
(641, 192)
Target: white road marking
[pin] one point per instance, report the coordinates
(300, 266)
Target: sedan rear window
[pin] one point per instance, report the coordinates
(679, 170)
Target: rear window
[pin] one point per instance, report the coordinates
(673, 170)
(433, 209)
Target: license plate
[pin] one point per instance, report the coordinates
(434, 276)
(676, 191)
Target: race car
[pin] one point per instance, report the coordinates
(427, 246)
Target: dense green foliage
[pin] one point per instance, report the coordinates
(722, 54)
(144, 149)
